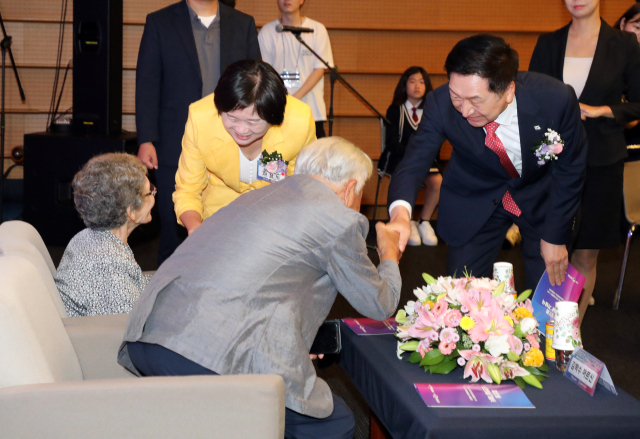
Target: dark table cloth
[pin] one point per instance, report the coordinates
(563, 410)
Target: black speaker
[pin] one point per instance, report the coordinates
(50, 162)
(97, 67)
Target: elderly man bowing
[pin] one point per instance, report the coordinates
(248, 290)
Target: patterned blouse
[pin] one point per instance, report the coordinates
(99, 275)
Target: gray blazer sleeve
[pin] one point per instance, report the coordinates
(373, 292)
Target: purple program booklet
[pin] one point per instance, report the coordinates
(366, 326)
(500, 396)
(545, 298)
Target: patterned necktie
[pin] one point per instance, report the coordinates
(415, 115)
(495, 145)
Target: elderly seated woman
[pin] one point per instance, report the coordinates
(98, 273)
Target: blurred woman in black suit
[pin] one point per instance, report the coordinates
(405, 113)
(601, 64)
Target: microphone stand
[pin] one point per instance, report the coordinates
(5, 44)
(334, 75)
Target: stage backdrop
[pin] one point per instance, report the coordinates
(373, 42)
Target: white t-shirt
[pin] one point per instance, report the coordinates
(284, 52)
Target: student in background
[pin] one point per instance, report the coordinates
(301, 71)
(405, 113)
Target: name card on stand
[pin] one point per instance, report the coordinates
(587, 372)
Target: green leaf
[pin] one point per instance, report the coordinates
(426, 368)
(415, 357)
(523, 296)
(544, 367)
(428, 279)
(541, 378)
(532, 370)
(520, 382)
(499, 289)
(452, 355)
(411, 345)
(432, 357)
(445, 367)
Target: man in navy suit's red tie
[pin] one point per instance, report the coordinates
(493, 117)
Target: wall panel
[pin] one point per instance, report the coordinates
(461, 15)
(373, 42)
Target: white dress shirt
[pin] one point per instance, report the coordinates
(409, 107)
(509, 134)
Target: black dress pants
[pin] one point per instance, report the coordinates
(479, 254)
(171, 233)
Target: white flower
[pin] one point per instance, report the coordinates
(497, 345)
(483, 283)
(437, 288)
(508, 301)
(410, 307)
(421, 294)
(528, 325)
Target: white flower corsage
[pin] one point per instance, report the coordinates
(549, 148)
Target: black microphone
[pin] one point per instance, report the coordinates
(293, 29)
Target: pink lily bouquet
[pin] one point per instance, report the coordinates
(473, 323)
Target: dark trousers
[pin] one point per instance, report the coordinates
(171, 233)
(479, 254)
(320, 130)
(155, 360)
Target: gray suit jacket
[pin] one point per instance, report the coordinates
(248, 290)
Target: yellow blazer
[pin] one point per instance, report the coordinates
(208, 176)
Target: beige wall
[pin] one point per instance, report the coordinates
(373, 42)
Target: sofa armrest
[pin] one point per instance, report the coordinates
(243, 406)
(96, 341)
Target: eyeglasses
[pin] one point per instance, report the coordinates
(154, 190)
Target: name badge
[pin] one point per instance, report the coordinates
(291, 79)
(272, 171)
(587, 372)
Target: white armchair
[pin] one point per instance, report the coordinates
(59, 379)
(18, 238)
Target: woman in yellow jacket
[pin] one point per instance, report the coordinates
(226, 135)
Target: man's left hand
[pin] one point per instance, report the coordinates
(556, 259)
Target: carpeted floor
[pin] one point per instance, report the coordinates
(612, 336)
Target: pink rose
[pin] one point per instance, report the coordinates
(440, 308)
(271, 167)
(452, 318)
(556, 148)
(446, 348)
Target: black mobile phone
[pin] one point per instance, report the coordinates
(328, 339)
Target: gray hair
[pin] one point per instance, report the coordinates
(106, 186)
(336, 160)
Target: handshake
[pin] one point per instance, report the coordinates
(388, 242)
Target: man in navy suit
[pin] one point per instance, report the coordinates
(184, 49)
(492, 116)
